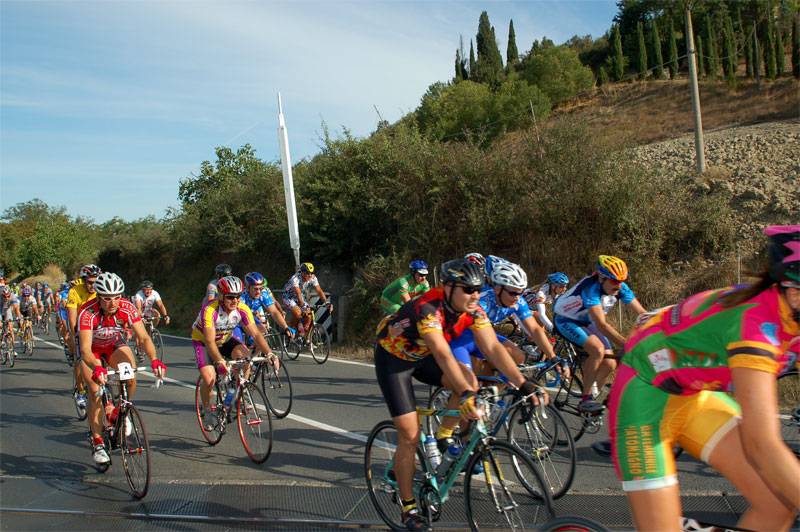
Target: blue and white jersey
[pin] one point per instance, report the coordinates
(259, 303)
(62, 297)
(497, 313)
(574, 304)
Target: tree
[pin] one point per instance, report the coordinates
(658, 59)
(712, 63)
(602, 76)
(512, 54)
(490, 62)
(780, 60)
(459, 76)
(641, 51)
(748, 56)
(473, 65)
(673, 51)
(729, 49)
(769, 48)
(699, 54)
(796, 46)
(558, 73)
(617, 59)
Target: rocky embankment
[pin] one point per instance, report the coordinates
(757, 165)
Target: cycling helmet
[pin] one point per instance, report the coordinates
(230, 285)
(509, 274)
(477, 258)
(612, 267)
(109, 284)
(255, 279)
(223, 270)
(307, 267)
(463, 271)
(27, 291)
(64, 286)
(783, 253)
(146, 284)
(419, 266)
(491, 261)
(45, 285)
(90, 270)
(557, 278)
(6, 291)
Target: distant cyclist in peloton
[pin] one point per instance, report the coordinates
(81, 292)
(9, 310)
(294, 298)
(28, 305)
(406, 288)
(580, 316)
(61, 315)
(259, 298)
(546, 294)
(222, 270)
(670, 388)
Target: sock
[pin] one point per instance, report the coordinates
(97, 441)
(587, 397)
(409, 504)
(442, 432)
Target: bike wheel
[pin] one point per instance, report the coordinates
(255, 423)
(789, 409)
(509, 494)
(572, 524)
(566, 402)
(28, 342)
(438, 401)
(135, 449)
(379, 472)
(81, 410)
(539, 438)
(277, 386)
(295, 347)
(158, 342)
(277, 342)
(47, 324)
(320, 344)
(4, 350)
(215, 426)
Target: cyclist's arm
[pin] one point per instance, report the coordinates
(277, 315)
(540, 308)
(211, 344)
(446, 361)
(757, 394)
(17, 312)
(605, 328)
(321, 294)
(261, 343)
(537, 333)
(163, 310)
(636, 307)
(87, 356)
(144, 339)
(299, 294)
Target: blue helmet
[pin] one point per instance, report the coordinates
(558, 278)
(64, 285)
(491, 260)
(255, 279)
(419, 266)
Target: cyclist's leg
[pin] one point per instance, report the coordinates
(462, 348)
(592, 342)
(207, 371)
(122, 353)
(237, 351)
(94, 408)
(294, 310)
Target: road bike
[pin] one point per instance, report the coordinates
(27, 337)
(276, 339)
(7, 351)
(502, 490)
(275, 383)
(81, 410)
(572, 524)
(44, 322)
(789, 409)
(155, 336)
(234, 394)
(314, 340)
(123, 429)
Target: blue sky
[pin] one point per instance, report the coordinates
(106, 105)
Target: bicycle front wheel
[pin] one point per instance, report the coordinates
(80, 409)
(212, 422)
(158, 342)
(546, 440)
(379, 471)
(277, 386)
(277, 342)
(572, 524)
(28, 341)
(320, 344)
(508, 494)
(255, 423)
(47, 324)
(135, 450)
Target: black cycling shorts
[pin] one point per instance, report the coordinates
(394, 378)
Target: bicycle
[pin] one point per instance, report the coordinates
(81, 410)
(508, 494)
(572, 524)
(44, 322)
(275, 383)
(126, 431)
(251, 407)
(7, 351)
(789, 409)
(155, 336)
(27, 337)
(315, 338)
(542, 435)
(276, 339)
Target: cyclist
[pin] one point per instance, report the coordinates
(213, 340)
(80, 293)
(28, 305)
(61, 315)
(259, 298)
(222, 270)
(670, 387)
(9, 309)
(413, 343)
(102, 343)
(546, 294)
(146, 299)
(580, 316)
(294, 300)
(406, 288)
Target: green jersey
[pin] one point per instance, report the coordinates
(392, 297)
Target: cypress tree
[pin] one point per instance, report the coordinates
(617, 59)
(458, 76)
(748, 55)
(602, 76)
(729, 49)
(473, 65)
(673, 51)
(698, 46)
(641, 51)
(796, 46)
(780, 60)
(490, 62)
(658, 59)
(512, 54)
(712, 64)
(769, 50)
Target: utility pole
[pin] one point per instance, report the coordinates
(698, 120)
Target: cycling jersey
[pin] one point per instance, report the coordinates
(259, 304)
(289, 294)
(213, 317)
(78, 295)
(61, 303)
(211, 289)
(392, 296)
(497, 313)
(7, 307)
(107, 330)
(146, 302)
(26, 303)
(538, 299)
(574, 304)
(401, 333)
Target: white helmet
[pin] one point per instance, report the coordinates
(509, 274)
(109, 284)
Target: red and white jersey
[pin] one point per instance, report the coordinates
(106, 329)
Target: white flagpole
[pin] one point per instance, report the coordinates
(288, 186)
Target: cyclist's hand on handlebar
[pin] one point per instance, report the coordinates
(222, 368)
(288, 331)
(468, 407)
(166, 320)
(99, 375)
(537, 394)
(159, 368)
(274, 360)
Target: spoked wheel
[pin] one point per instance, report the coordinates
(320, 344)
(546, 440)
(277, 342)
(509, 494)
(27, 345)
(566, 401)
(277, 386)
(4, 350)
(789, 409)
(158, 342)
(255, 423)
(135, 449)
(295, 347)
(572, 524)
(438, 401)
(212, 424)
(379, 471)
(80, 409)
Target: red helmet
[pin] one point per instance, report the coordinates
(230, 285)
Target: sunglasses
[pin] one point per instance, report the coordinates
(511, 293)
(469, 290)
(109, 299)
(232, 297)
(89, 283)
(259, 288)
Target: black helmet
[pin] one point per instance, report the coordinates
(463, 271)
(223, 270)
(90, 270)
(783, 252)
(146, 284)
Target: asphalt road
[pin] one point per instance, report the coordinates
(318, 448)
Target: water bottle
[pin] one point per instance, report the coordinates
(228, 396)
(497, 411)
(432, 452)
(595, 391)
(450, 456)
(109, 409)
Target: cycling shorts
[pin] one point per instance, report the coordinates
(291, 303)
(102, 353)
(646, 422)
(62, 313)
(578, 333)
(394, 378)
(27, 312)
(202, 357)
(464, 347)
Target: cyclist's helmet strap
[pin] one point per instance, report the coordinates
(783, 253)
(612, 267)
